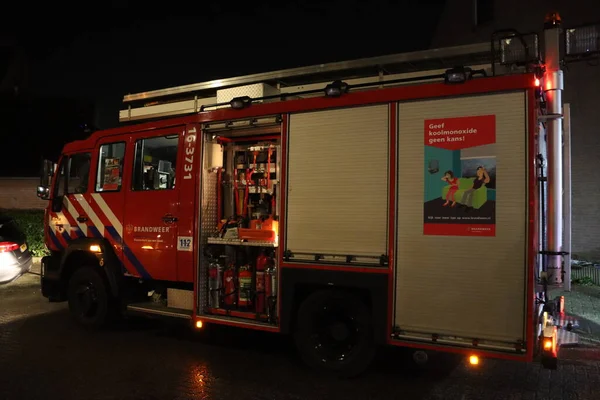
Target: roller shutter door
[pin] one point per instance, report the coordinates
(338, 182)
(468, 286)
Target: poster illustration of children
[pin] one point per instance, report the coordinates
(451, 180)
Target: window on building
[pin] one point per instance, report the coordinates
(484, 11)
(79, 172)
(155, 162)
(110, 167)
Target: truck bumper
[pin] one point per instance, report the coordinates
(51, 285)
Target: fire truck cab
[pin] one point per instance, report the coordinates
(348, 206)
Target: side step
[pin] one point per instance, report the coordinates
(565, 325)
(154, 308)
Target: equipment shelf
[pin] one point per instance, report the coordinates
(239, 242)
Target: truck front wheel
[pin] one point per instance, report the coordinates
(89, 301)
(334, 334)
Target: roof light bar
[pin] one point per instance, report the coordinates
(582, 41)
(519, 49)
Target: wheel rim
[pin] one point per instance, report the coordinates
(87, 299)
(335, 333)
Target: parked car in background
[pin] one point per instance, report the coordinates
(15, 257)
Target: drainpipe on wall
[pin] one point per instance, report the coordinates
(567, 202)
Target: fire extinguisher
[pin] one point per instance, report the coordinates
(261, 266)
(229, 298)
(271, 289)
(215, 284)
(245, 288)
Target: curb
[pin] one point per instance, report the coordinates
(36, 268)
(589, 340)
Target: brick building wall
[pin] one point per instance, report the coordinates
(582, 83)
(20, 193)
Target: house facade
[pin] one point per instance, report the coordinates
(474, 21)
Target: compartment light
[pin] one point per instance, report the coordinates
(458, 74)
(336, 89)
(238, 103)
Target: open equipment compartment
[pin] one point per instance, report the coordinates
(240, 220)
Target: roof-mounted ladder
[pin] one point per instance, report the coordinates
(195, 97)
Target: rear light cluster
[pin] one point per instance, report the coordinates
(6, 247)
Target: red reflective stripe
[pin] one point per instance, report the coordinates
(106, 222)
(71, 220)
(58, 233)
(82, 212)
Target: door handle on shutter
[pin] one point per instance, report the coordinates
(81, 218)
(168, 218)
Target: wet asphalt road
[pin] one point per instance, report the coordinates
(44, 355)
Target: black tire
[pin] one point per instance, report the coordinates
(89, 301)
(334, 334)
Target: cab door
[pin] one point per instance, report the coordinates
(152, 204)
(63, 216)
(104, 215)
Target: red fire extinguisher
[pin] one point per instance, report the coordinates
(245, 280)
(229, 298)
(261, 266)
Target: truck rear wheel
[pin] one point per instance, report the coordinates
(89, 301)
(334, 333)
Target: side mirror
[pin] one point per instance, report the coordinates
(43, 192)
(48, 169)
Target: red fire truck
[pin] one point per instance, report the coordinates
(386, 201)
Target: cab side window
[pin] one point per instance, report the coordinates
(72, 177)
(155, 162)
(110, 167)
(79, 171)
(60, 185)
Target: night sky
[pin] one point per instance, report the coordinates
(62, 69)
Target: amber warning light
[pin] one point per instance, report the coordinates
(474, 360)
(548, 344)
